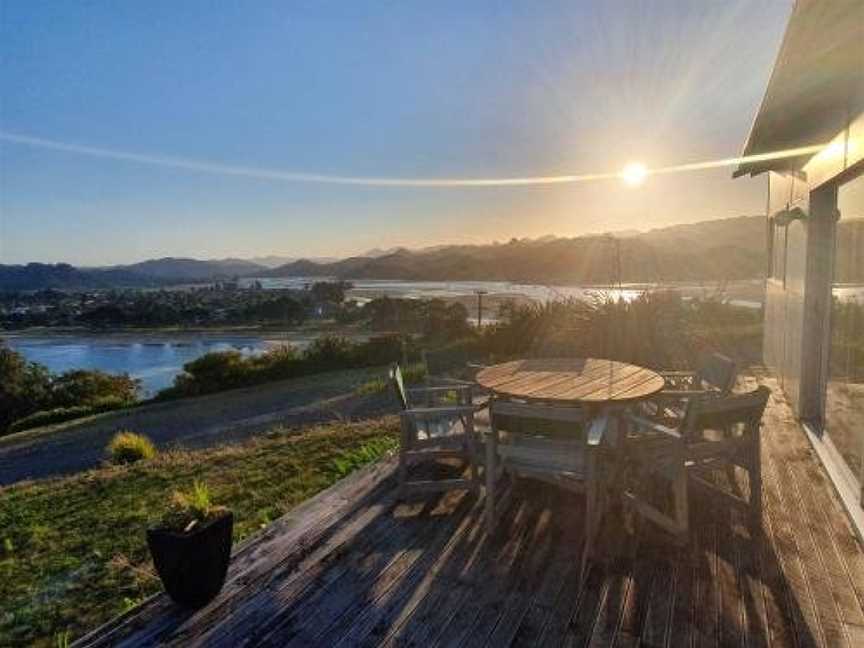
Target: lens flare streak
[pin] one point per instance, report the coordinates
(201, 166)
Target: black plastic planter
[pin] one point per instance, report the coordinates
(192, 565)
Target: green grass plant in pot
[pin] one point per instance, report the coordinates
(191, 547)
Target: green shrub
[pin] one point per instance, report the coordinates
(222, 370)
(88, 387)
(212, 372)
(61, 414)
(380, 350)
(330, 352)
(278, 363)
(128, 447)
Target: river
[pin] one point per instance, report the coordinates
(154, 359)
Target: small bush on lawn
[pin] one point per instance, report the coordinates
(127, 447)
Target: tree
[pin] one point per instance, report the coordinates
(25, 387)
(446, 321)
(330, 292)
(282, 309)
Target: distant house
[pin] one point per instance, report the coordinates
(814, 313)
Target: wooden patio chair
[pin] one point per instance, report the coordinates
(715, 433)
(523, 442)
(715, 376)
(432, 430)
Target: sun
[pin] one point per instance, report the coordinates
(634, 174)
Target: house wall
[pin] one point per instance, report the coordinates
(798, 289)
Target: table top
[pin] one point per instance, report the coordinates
(573, 380)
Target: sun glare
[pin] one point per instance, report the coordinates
(634, 174)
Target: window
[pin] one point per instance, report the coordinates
(844, 402)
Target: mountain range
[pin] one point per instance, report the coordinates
(726, 249)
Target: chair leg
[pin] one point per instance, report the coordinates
(471, 439)
(682, 507)
(588, 548)
(403, 462)
(591, 517)
(491, 471)
(756, 485)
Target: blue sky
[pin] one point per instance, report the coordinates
(392, 89)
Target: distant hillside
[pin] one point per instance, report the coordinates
(274, 261)
(156, 272)
(179, 269)
(727, 249)
(62, 276)
(732, 248)
(378, 252)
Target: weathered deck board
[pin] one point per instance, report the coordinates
(354, 568)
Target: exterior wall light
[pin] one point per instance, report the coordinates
(785, 216)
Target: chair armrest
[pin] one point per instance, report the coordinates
(431, 413)
(416, 394)
(456, 386)
(596, 431)
(642, 422)
(672, 394)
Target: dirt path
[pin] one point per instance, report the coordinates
(191, 422)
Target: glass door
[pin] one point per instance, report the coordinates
(844, 398)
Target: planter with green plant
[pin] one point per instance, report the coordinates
(191, 548)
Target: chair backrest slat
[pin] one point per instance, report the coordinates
(725, 412)
(399, 386)
(538, 412)
(719, 372)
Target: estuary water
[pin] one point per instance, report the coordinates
(153, 361)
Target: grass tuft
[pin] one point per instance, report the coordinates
(128, 447)
(190, 508)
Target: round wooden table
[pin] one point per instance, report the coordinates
(584, 381)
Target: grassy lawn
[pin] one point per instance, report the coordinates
(73, 552)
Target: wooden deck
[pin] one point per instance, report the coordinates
(352, 567)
